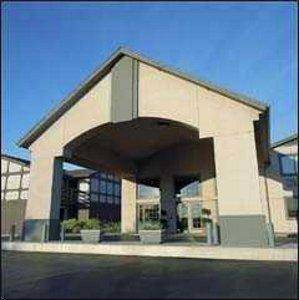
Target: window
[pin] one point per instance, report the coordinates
(109, 199)
(288, 164)
(94, 197)
(117, 189)
(102, 198)
(116, 200)
(196, 210)
(103, 186)
(110, 176)
(109, 187)
(4, 165)
(25, 181)
(190, 190)
(13, 182)
(3, 181)
(104, 175)
(149, 212)
(291, 206)
(94, 185)
(187, 186)
(196, 223)
(182, 210)
(146, 191)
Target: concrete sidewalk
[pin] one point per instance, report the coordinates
(179, 250)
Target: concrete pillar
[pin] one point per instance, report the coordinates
(168, 203)
(208, 187)
(128, 206)
(209, 233)
(209, 196)
(44, 198)
(215, 233)
(241, 218)
(190, 219)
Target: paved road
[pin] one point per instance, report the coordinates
(28, 275)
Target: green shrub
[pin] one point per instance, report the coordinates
(150, 225)
(74, 225)
(70, 225)
(112, 227)
(91, 224)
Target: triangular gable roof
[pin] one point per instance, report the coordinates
(99, 73)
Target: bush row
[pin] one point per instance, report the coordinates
(74, 225)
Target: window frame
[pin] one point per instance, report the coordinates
(148, 186)
(288, 217)
(281, 171)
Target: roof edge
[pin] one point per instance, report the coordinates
(288, 139)
(18, 159)
(101, 71)
(259, 105)
(67, 102)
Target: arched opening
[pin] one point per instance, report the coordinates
(172, 168)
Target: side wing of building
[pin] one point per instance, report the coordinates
(14, 192)
(283, 185)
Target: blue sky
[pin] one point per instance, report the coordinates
(49, 48)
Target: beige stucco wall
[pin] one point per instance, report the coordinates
(167, 96)
(41, 174)
(91, 111)
(275, 182)
(228, 122)
(237, 175)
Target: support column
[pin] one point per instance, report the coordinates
(128, 206)
(43, 207)
(242, 222)
(209, 196)
(168, 203)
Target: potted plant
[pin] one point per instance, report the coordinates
(90, 231)
(111, 231)
(150, 232)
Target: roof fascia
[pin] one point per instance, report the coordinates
(285, 140)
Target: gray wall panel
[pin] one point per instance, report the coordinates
(124, 94)
(243, 231)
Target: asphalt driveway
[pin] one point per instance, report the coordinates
(40, 275)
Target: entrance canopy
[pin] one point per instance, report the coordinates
(124, 146)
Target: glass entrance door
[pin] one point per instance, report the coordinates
(189, 216)
(187, 189)
(147, 212)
